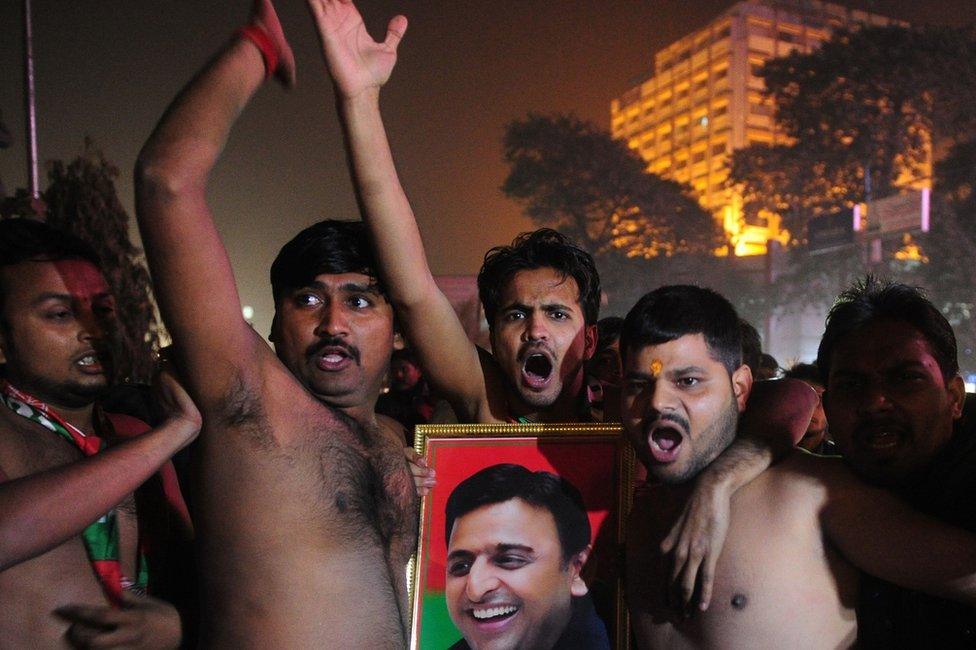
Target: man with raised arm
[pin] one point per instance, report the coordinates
(304, 501)
(786, 576)
(541, 297)
(79, 545)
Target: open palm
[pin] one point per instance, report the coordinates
(356, 62)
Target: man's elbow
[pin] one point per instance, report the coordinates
(162, 178)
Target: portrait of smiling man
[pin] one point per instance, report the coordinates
(517, 541)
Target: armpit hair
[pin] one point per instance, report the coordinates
(240, 409)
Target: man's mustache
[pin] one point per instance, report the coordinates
(316, 349)
(673, 418)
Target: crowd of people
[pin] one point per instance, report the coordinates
(291, 522)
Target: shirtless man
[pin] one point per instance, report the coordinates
(541, 297)
(304, 501)
(56, 321)
(784, 578)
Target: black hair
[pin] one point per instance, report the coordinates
(504, 482)
(751, 346)
(543, 248)
(873, 299)
(331, 246)
(608, 332)
(670, 312)
(807, 372)
(23, 240)
(405, 354)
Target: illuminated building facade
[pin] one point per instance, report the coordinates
(705, 99)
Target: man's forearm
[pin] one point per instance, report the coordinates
(386, 208)
(188, 140)
(41, 511)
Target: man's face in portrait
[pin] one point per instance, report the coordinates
(508, 585)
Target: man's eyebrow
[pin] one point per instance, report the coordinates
(348, 287)
(358, 287)
(556, 305)
(459, 554)
(686, 370)
(516, 305)
(504, 548)
(51, 295)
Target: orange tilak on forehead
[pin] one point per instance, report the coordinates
(656, 367)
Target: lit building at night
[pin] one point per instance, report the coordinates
(705, 99)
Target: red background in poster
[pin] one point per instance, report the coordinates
(590, 465)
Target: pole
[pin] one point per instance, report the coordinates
(29, 100)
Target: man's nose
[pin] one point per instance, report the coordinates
(91, 327)
(662, 397)
(334, 321)
(536, 328)
(874, 398)
(481, 581)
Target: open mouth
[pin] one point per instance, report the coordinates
(493, 619)
(879, 440)
(494, 613)
(333, 359)
(664, 443)
(537, 370)
(90, 363)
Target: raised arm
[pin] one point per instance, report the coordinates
(883, 536)
(359, 67)
(192, 275)
(777, 414)
(41, 511)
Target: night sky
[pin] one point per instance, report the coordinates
(108, 68)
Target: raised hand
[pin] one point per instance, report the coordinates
(356, 62)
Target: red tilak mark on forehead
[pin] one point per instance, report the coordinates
(82, 279)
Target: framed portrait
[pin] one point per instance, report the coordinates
(595, 459)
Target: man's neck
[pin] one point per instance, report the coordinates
(568, 407)
(81, 417)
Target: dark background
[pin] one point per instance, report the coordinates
(108, 68)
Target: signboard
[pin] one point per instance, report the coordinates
(830, 231)
(907, 211)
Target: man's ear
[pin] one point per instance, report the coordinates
(957, 396)
(742, 385)
(577, 587)
(398, 342)
(590, 337)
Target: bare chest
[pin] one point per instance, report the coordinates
(28, 448)
(772, 566)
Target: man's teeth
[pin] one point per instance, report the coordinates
(333, 358)
(90, 360)
(883, 438)
(492, 612)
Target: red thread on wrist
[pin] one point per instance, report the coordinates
(262, 41)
